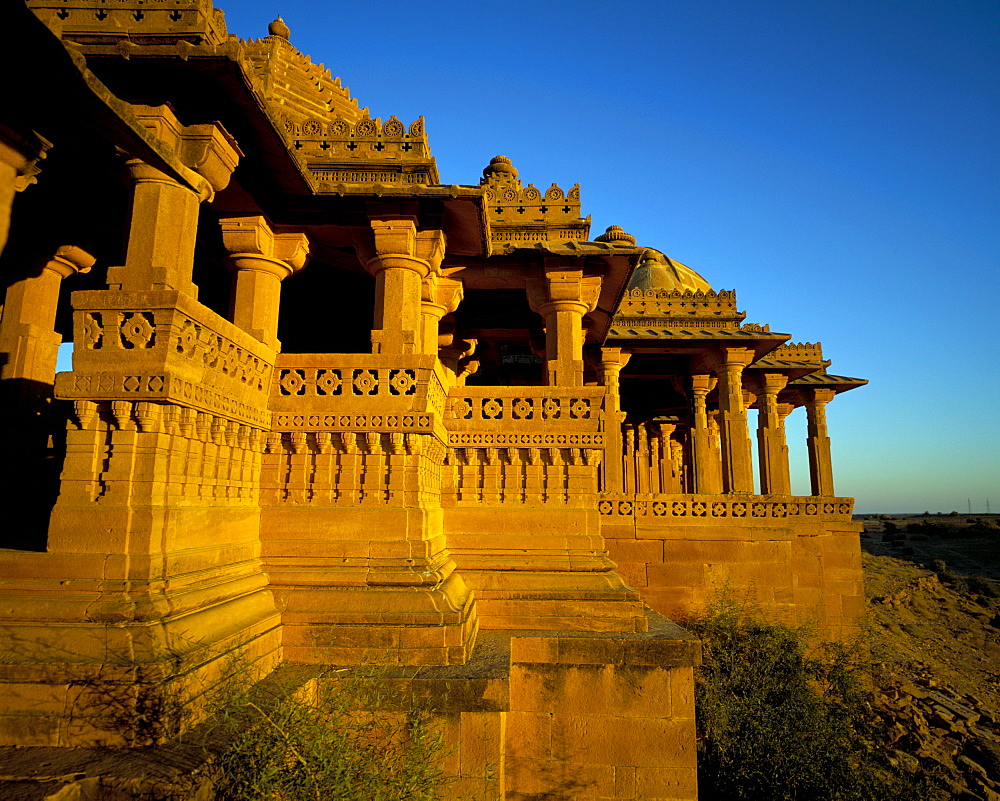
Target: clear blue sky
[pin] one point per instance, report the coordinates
(834, 162)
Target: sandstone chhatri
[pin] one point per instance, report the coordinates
(324, 407)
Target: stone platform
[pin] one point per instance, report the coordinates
(533, 715)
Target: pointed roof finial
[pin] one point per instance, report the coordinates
(279, 28)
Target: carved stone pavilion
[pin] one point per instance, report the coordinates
(324, 408)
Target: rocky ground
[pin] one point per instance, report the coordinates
(934, 611)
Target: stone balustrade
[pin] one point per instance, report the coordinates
(733, 507)
(165, 347)
(356, 392)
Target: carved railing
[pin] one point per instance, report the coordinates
(687, 508)
(165, 347)
(525, 417)
(355, 392)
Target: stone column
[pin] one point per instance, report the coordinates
(737, 461)
(785, 409)
(818, 441)
(612, 362)
(438, 297)
(772, 451)
(562, 295)
(715, 439)
(666, 471)
(677, 460)
(400, 258)
(706, 465)
(260, 260)
(28, 340)
(164, 212)
(29, 347)
(19, 157)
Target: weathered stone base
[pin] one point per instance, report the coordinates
(400, 626)
(70, 675)
(532, 715)
(796, 569)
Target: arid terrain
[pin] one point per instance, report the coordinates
(934, 611)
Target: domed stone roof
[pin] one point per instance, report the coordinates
(657, 271)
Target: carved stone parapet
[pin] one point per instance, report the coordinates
(714, 509)
(165, 347)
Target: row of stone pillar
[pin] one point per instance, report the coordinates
(721, 456)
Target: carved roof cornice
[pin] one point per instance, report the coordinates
(798, 391)
(692, 331)
(521, 216)
(794, 359)
(136, 22)
(821, 378)
(679, 308)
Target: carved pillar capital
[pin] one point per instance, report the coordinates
(253, 245)
(562, 295)
(438, 296)
(206, 149)
(401, 258)
(260, 260)
(69, 260)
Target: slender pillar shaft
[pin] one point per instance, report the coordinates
(715, 441)
(771, 447)
(257, 295)
(706, 465)
(737, 467)
(612, 362)
(162, 235)
(564, 343)
(818, 441)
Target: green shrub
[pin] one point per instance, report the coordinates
(778, 721)
(351, 743)
(980, 585)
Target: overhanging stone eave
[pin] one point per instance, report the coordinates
(86, 97)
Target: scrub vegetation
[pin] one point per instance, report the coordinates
(781, 719)
(338, 738)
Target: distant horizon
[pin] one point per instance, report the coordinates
(928, 512)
